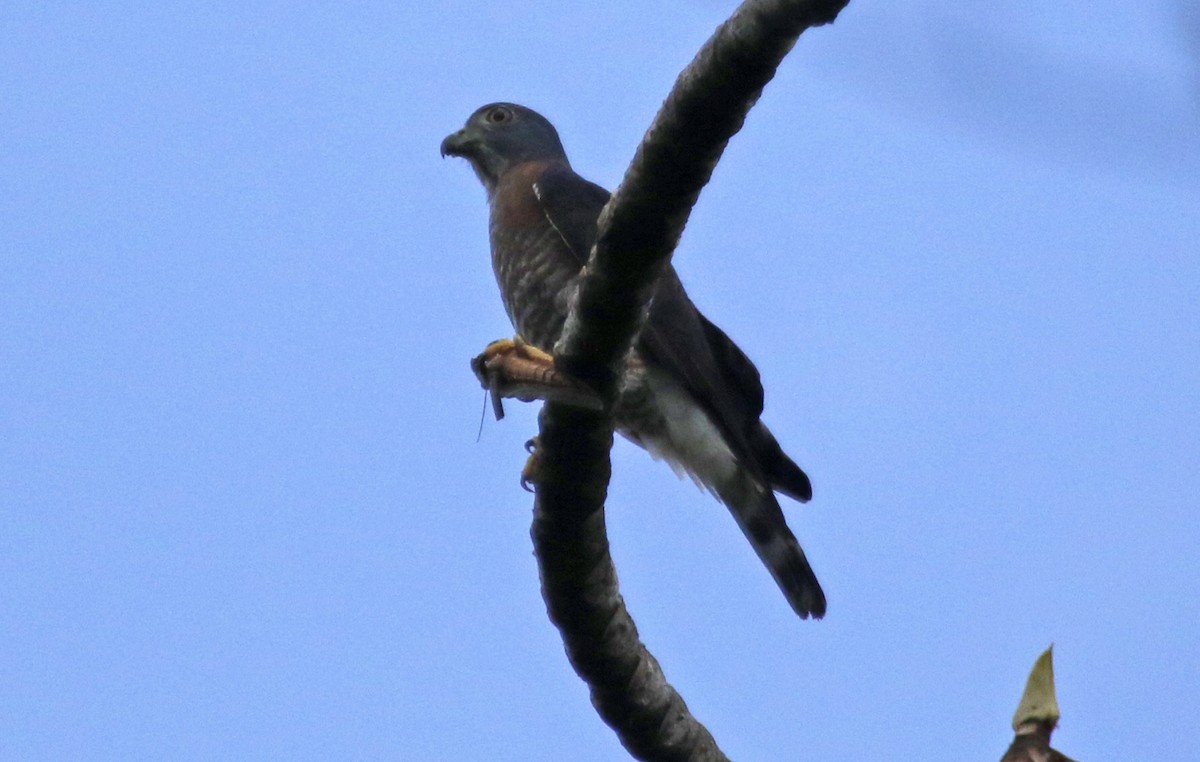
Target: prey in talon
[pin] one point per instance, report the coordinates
(512, 368)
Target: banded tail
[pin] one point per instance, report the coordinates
(758, 514)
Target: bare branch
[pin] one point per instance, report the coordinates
(639, 230)
(642, 223)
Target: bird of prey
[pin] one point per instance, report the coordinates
(687, 394)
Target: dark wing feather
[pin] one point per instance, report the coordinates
(680, 339)
(674, 336)
(742, 376)
(740, 372)
(572, 205)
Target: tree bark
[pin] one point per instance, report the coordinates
(639, 229)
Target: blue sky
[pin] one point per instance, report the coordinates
(244, 512)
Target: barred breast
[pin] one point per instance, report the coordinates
(533, 265)
(535, 275)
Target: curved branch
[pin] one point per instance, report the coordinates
(639, 229)
(642, 223)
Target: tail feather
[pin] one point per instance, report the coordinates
(761, 519)
(663, 417)
(781, 471)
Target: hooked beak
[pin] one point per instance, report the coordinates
(457, 144)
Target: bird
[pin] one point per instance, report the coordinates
(687, 393)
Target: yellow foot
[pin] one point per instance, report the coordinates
(530, 471)
(512, 368)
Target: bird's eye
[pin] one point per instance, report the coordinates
(499, 115)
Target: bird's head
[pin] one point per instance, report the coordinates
(500, 136)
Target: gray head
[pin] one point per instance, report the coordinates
(500, 136)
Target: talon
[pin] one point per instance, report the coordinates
(530, 352)
(532, 464)
(513, 368)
